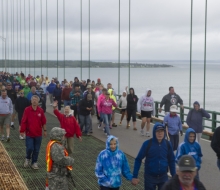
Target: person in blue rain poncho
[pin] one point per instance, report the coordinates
(110, 164)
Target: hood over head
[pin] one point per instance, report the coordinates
(148, 89)
(196, 102)
(156, 125)
(131, 89)
(188, 131)
(108, 143)
(57, 134)
(110, 91)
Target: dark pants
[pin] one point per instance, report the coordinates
(75, 109)
(131, 113)
(150, 182)
(20, 115)
(32, 148)
(58, 99)
(218, 163)
(174, 139)
(108, 188)
(85, 120)
(97, 113)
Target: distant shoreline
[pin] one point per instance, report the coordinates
(76, 64)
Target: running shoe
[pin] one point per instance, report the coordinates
(99, 126)
(8, 139)
(119, 123)
(13, 127)
(142, 132)
(26, 162)
(35, 166)
(135, 129)
(114, 125)
(3, 138)
(147, 134)
(21, 138)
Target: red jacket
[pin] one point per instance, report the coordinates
(33, 121)
(69, 124)
(66, 94)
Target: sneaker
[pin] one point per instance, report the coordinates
(114, 125)
(88, 134)
(135, 129)
(142, 132)
(3, 138)
(35, 166)
(8, 139)
(26, 162)
(21, 138)
(13, 127)
(169, 174)
(147, 134)
(119, 123)
(99, 126)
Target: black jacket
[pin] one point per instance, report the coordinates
(132, 100)
(215, 144)
(174, 184)
(83, 104)
(169, 100)
(21, 103)
(12, 95)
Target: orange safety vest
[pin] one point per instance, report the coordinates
(49, 161)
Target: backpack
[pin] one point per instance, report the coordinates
(150, 143)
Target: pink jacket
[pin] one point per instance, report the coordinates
(100, 98)
(106, 106)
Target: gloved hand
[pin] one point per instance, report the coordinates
(181, 133)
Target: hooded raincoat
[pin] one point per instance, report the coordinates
(110, 165)
(189, 148)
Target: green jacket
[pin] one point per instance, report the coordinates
(26, 91)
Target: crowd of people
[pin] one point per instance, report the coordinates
(27, 97)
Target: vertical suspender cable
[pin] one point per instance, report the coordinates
(57, 38)
(17, 38)
(129, 54)
(34, 34)
(64, 51)
(81, 37)
(29, 37)
(190, 67)
(2, 34)
(205, 55)
(89, 39)
(25, 58)
(119, 28)
(6, 33)
(20, 39)
(41, 34)
(13, 38)
(47, 37)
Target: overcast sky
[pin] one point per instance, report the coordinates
(160, 29)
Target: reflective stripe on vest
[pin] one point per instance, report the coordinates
(49, 161)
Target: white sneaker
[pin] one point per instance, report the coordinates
(147, 134)
(21, 138)
(99, 126)
(26, 163)
(142, 132)
(35, 166)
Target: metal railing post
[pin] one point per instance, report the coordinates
(182, 114)
(213, 121)
(156, 109)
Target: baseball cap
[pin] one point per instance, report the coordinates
(160, 127)
(88, 86)
(187, 163)
(173, 108)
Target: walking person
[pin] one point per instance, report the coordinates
(195, 118)
(170, 99)
(112, 124)
(185, 178)
(57, 95)
(123, 105)
(106, 110)
(111, 163)
(85, 108)
(100, 99)
(190, 147)
(58, 161)
(159, 156)
(65, 96)
(32, 123)
(215, 144)
(13, 96)
(146, 108)
(69, 123)
(174, 125)
(132, 100)
(6, 110)
(50, 90)
(20, 104)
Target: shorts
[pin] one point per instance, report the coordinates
(123, 110)
(146, 114)
(5, 120)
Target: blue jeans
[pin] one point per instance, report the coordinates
(67, 102)
(107, 120)
(32, 148)
(150, 182)
(85, 120)
(218, 163)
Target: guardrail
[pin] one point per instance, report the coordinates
(183, 113)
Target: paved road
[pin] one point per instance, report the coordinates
(130, 142)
